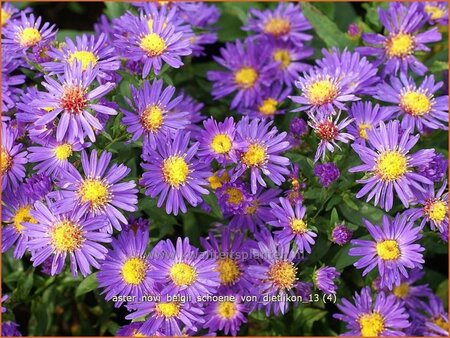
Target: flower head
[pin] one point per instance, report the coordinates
(341, 234)
(327, 173)
(324, 279)
(435, 169)
(12, 160)
(437, 12)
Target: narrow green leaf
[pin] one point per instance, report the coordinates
(87, 285)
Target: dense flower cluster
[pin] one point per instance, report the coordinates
(73, 191)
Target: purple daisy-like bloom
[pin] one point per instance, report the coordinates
(136, 224)
(393, 250)
(248, 71)
(173, 173)
(218, 141)
(286, 22)
(188, 104)
(12, 160)
(152, 42)
(298, 128)
(417, 105)
(10, 92)
(437, 12)
(396, 50)
(293, 224)
(131, 330)
(199, 40)
(233, 197)
(389, 165)
(53, 157)
(27, 32)
(152, 112)
(37, 186)
(435, 169)
(327, 173)
(10, 329)
(71, 99)
(354, 31)
(125, 269)
(276, 273)
(100, 188)
(88, 50)
(62, 235)
(8, 14)
(365, 117)
(435, 320)
(262, 152)
(341, 234)
(199, 14)
(324, 279)
(183, 270)
(329, 132)
(383, 317)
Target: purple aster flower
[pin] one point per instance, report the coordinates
(435, 321)
(295, 193)
(167, 316)
(293, 224)
(131, 330)
(230, 251)
(286, 22)
(233, 198)
(327, 173)
(10, 329)
(354, 31)
(435, 169)
(136, 224)
(100, 188)
(248, 71)
(396, 50)
(383, 317)
(53, 157)
(393, 249)
(152, 112)
(37, 186)
(437, 12)
(276, 273)
(12, 159)
(199, 40)
(262, 152)
(389, 165)
(87, 50)
(62, 235)
(188, 104)
(9, 14)
(27, 32)
(199, 14)
(298, 127)
(417, 105)
(218, 141)
(173, 173)
(433, 207)
(125, 269)
(324, 279)
(10, 81)
(365, 117)
(341, 234)
(71, 99)
(152, 42)
(182, 270)
(329, 132)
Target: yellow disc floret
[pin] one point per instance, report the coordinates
(85, 57)
(153, 44)
(268, 107)
(363, 130)
(402, 290)
(183, 274)
(63, 151)
(5, 17)
(134, 271)
(229, 270)
(282, 274)
(321, 92)
(221, 143)
(298, 226)
(388, 250)
(391, 165)
(235, 196)
(22, 215)
(277, 26)
(175, 171)
(415, 103)
(66, 236)
(29, 37)
(399, 45)
(95, 192)
(167, 310)
(372, 324)
(441, 323)
(255, 155)
(227, 309)
(6, 160)
(435, 12)
(152, 118)
(283, 56)
(246, 77)
(436, 210)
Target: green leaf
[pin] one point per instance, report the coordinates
(342, 259)
(326, 29)
(334, 217)
(87, 285)
(115, 9)
(438, 66)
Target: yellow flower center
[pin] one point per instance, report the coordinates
(436, 210)
(5, 17)
(167, 310)
(235, 196)
(136, 333)
(175, 171)
(363, 130)
(183, 274)
(391, 165)
(277, 26)
(63, 151)
(372, 324)
(388, 250)
(250, 210)
(153, 44)
(29, 37)
(228, 270)
(246, 77)
(441, 323)
(95, 192)
(400, 45)
(415, 103)
(152, 118)
(48, 109)
(255, 155)
(283, 56)
(85, 57)
(402, 290)
(268, 107)
(227, 309)
(134, 271)
(435, 12)
(221, 143)
(298, 226)
(66, 236)
(216, 182)
(282, 274)
(321, 92)
(22, 215)
(6, 160)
